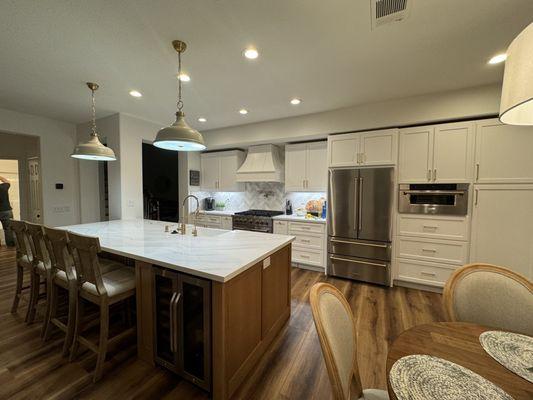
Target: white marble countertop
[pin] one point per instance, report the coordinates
(294, 217)
(214, 254)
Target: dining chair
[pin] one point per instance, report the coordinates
(336, 331)
(101, 289)
(62, 275)
(41, 267)
(490, 295)
(24, 264)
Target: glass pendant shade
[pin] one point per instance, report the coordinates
(179, 136)
(93, 150)
(516, 106)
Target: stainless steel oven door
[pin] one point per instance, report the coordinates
(441, 199)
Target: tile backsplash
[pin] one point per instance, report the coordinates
(260, 195)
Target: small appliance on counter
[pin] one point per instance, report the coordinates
(288, 208)
(209, 203)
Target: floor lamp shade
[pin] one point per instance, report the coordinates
(516, 106)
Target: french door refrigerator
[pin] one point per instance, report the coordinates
(360, 223)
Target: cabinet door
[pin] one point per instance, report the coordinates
(229, 163)
(317, 167)
(343, 150)
(416, 154)
(379, 148)
(503, 153)
(275, 289)
(210, 171)
(452, 155)
(281, 227)
(501, 227)
(295, 167)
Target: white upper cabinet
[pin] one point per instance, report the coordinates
(415, 161)
(501, 227)
(218, 171)
(503, 153)
(363, 148)
(439, 153)
(453, 148)
(306, 167)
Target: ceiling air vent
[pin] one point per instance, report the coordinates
(387, 11)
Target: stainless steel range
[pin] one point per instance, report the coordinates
(255, 220)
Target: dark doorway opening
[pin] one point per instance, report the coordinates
(160, 184)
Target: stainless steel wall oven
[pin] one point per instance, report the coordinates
(433, 198)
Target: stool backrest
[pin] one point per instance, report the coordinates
(21, 239)
(56, 241)
(85, 250)
(38, 247)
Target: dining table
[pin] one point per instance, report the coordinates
(459, 343)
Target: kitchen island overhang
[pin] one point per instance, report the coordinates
(246, 277)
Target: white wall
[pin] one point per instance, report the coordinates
(459, 104)
(57, 140)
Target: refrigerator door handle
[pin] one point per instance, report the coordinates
(360, 217)
(383, 246)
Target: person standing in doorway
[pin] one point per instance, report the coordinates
(6, 212)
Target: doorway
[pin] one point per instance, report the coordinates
(9, 169)
(160, 183)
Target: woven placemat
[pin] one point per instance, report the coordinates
(423, 377)
(512, 350)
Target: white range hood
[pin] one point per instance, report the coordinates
(264, 163)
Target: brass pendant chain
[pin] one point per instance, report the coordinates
(94, 133)
(180, 103)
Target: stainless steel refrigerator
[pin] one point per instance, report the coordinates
(360, 223)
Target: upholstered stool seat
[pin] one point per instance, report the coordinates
(116, 282)
(374, 394)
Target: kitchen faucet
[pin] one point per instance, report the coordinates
(183, 226)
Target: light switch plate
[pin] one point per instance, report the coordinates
(266, 263)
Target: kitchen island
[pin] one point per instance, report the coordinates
(208, 306)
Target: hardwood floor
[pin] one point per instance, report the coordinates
(292, 368)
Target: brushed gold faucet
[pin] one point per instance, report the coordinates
(183, 226)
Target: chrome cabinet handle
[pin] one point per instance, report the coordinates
(476, 197)
(175, 328)
(357, 261)
(360, 204)
(428, 273)
(305, 241)
(429, 250)
(477, 172)
(435, 174)
(430, 227)
(172, 318)
(428, 176)
(355, 199)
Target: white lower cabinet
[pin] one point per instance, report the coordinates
(281, 227)
(424, 273)
(442, 251)
(502, 223)
(213, 221)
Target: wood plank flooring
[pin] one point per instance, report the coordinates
(292, 368)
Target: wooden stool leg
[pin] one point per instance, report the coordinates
(72, 301)
(77, 328)
(18, 289)
(34, 297)
(46, 321)
(51, 312)
(102, 346)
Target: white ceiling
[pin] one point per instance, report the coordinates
(322, 51)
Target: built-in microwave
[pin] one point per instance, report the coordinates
(433, 198)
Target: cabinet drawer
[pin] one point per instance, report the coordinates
(281, 227)
(306, 256)
(438, 228)
(448, 252)
(309, 241)
(423, 272)
(305, 227)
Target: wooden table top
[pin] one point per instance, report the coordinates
(457, 342)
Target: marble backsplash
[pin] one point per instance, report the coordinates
(260, 195)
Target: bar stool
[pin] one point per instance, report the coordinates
(41, 267)
(62, 275)
(102, 289)
(24, 263)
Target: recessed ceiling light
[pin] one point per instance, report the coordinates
(499, 58)
(243, 111)
(184, 77)
(135, 93)
(202, 119)
(251, 53)
(295, 101)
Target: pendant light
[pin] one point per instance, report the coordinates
(93, 149)
(179, 136)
